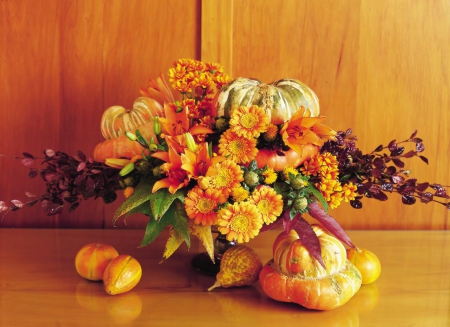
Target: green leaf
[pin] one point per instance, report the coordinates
(152, 231)
(161, 200)
(142, 193)
(174, 216)
(142, 141)
(319, 196)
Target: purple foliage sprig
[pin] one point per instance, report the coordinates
(68, 180)
(383, 170)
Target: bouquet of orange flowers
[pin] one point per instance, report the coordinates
(235, 154)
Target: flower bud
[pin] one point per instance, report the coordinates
(190, 142)
(131, 136)
(156, 126)
(117, 162)
(127, 169)
(300, 203)
(251, 178)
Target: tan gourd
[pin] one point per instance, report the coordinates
(293, 275)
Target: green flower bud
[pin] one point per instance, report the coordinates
(127, 169)
(131, 136)
(300, 203)
(156, 126)
(190, 142)
(298, 183)
(251, 178)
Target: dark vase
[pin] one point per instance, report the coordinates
(203, 263)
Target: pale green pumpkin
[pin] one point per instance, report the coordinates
(280, 99)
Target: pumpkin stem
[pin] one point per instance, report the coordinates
(216, 284)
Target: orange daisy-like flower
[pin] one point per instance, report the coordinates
(249, 122)
(302, 129)
(224, 176)
(237, 148)
(239, 221)
(268, 202)
(201, 205)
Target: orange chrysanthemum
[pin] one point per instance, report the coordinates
(249, 122)
(268, 202)
(302, 129)
(201, 205)
(237, 148)
(239, 221)
(224, 176)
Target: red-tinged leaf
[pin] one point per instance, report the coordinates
(426, 197)
(81, 166)
(396, 179)
(422, 187)
(27, 162)
(33, 173)
(376, 172)
(49, 153)
(17, 203)
(413, 135)
(28, 155)
(31, 203)
(309, 238)
(379, 163)
(288, 223)
(329, 223)
(82, 156)
(356, 204)
(3, 207)
(424, 159)
(420, 147)
(272, 225)
(398, 163)
(409, 154)
(96, 171)
(391, 170)
(30, 195)
(392, 145)
(379, 148)
(417, 140)
(408, 199)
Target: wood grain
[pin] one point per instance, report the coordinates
(40, 286)
(381, 68)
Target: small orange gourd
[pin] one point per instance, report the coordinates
(290, 158)
(122, 274)
(93, 258)
(293, 275)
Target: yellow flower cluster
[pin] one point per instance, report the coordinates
(325, 166)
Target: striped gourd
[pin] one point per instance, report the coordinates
(293, 275)
(117, 120)
(280, 99)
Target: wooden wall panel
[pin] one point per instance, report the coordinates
(62, 64)
(381, 68)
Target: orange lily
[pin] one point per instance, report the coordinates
(177, 177)
(302, 129)
(197, 163)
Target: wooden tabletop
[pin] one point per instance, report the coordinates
(39, 285)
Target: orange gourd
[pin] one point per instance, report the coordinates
(293, 275)
(290, 158)
(367, 263)
(92, 259)
(122, 147)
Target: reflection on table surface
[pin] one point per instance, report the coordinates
(39, 285)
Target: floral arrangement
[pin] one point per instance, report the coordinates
(195, 169)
